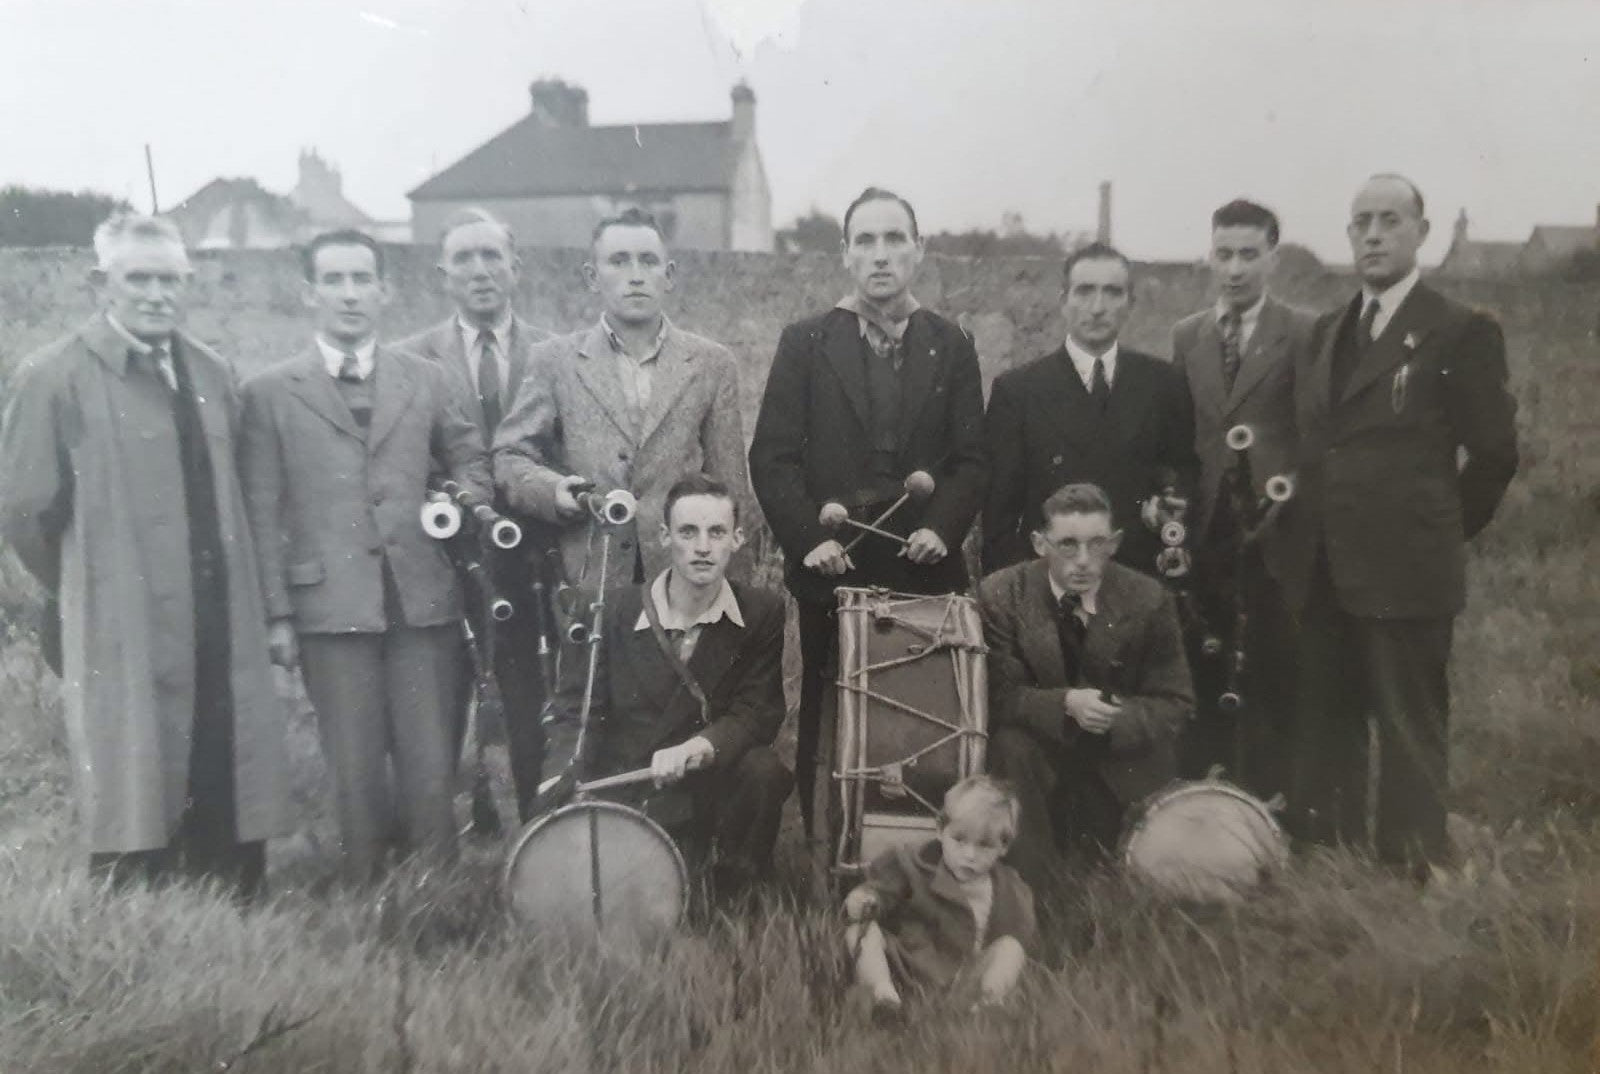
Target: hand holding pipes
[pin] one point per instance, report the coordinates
(924, 546)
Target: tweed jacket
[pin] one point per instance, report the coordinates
(442, 344)
(1262, 398)
(928, 925)
(330, 505)
(1380, 487)
(1133, 648)
(92, 499)
(569, 417)
(1044, 431)
(641, 705)
(812, 438)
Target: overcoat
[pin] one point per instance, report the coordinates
(92, 499)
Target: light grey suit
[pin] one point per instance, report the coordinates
(334, 509)
(570, 417)
(442, 345)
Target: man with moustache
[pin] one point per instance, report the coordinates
(483, 347)
(689, 683)
(630, 403)
(118, 492)
(1407, 443)
(339, 443)
(1092, 411)
(1238, 359)
(858, 398)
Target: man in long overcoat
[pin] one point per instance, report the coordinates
(119, 493)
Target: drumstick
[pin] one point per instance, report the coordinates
(918, 485)
(621, 779)
(874, 529)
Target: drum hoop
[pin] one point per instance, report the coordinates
(1151, 805)
(534, 826)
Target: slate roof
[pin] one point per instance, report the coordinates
(532, 159)
(1481, 260)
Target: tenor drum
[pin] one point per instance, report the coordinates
(1207, 841)
(596, 869)
(913, 715)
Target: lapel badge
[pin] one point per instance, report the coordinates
(1397, 389)
(1411, 342)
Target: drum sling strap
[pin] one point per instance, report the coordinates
(671, 652)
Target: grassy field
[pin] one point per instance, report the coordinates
(1337, 968)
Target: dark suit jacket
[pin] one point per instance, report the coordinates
(1380, 488)
(329, 505)
(441, 344)
(1262, 398)
(1044, 432)
(640, 704)
(811, 446)
(1133, 648)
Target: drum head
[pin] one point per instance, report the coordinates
(596, 869)
(1209, 842)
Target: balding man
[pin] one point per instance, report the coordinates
(483, 347)
(119, 493)
(1407, 443)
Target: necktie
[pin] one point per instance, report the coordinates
(1364, 328)
(350, 367)
(1231, 332)
(1099, 389)
(158, 361)
(488, 381)
(1070, 632)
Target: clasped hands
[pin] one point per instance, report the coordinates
(829, 559)
(1090, 710)
(673, 763)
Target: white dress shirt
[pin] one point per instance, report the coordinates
(1083, 362)
(636, 374)
(501, 335)
(333, 357)
(1248, 319)
(139, 346)
(726, 605)
(1389, 300)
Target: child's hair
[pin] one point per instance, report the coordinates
(994, 798)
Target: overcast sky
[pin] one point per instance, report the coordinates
(969, 107)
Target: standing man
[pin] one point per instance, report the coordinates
(1092, 411)
(119, 493)
(483, 349)
(1407, 443)
(1087, 685)
(338, 446)
(1238, 359)
(689, 683)
(631, 404)
(858, 398)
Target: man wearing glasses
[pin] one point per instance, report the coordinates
(1088, 684)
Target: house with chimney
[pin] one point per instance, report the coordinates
(552, 176)
(239, 214)
(1547, 251)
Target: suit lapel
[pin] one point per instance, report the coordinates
(674, 367)
(1129, 397)
(312, 384)
(1416, 314)
(1204, 367)
(596, 370)
(1266, 345)
(842, 345)
(1322, 370)
(1041, 644)
(714, 654)
(1074, 410)
(452, 352)
(393, 394)
(516, 359)
(921, 368)
(1102, 643)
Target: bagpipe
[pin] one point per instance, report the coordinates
(1253, 516)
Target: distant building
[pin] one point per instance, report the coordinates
(238, 214)
(1469, 259)
(1551, 248)
(552, 177)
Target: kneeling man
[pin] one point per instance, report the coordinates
(689, 683)
(1088, 684)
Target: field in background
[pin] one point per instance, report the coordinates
(1338, 969)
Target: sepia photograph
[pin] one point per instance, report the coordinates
(749, 536)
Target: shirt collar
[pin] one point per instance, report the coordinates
(1391, 297)
(333, 357)
(1083, 361)
(134, 343)
(892, 320)
(500, 330)
(726, 604)
(616, 340)
(1091, 599)
(1247, 317)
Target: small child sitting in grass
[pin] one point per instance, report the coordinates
(946, 915)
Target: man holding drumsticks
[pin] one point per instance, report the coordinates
(873, 390)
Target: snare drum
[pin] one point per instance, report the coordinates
(913, 715)
(597, 869)
(1207, 841)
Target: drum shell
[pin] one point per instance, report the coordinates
(897, 653)
(1205, 841)
(549, 874)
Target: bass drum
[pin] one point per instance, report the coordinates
(1207, 842)
(594, 870)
